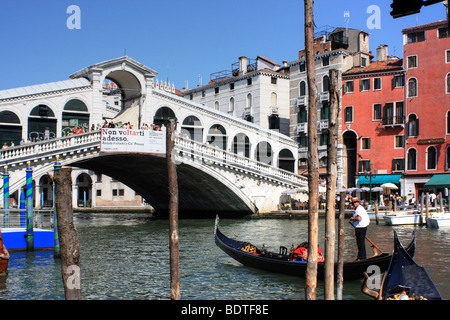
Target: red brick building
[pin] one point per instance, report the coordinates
(426, 59)
(373, 121)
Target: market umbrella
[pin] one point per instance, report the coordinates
(289, 191)
(389, 186)
(376, 189)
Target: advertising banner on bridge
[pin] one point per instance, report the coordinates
(133, 141)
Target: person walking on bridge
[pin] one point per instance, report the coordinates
(360, 221)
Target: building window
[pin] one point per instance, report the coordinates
(412, 87)
(348, 114)
(431, 158)
(348, 86)
(412, 159)
(114, 192)
(273, 100)
(121, 192)
(365, 144)
(302, 115)
(398, 165)
(363, 62)
(447, 56)
(99, 193)
(302, 67)
(364, 85)
(364, 166)
(377, 112)
(216, 90)
(302, 88)
(325, 84)
(448, 122)
(412, 130)
(249, 81)
(400, 141)
(203, 93)
(448, 83)
(325, 61)
(303, 141)
(443, 33)
(232, 86)
(416, 37)
(216, 105)
(376, 84)
(273, 80)
(447, 158)
(231, 105)
(324, 139)
(249, 100)
(398, 81)
(412, 62)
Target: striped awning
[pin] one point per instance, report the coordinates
(380, 179)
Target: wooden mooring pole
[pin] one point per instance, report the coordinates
(341, 248)
(173, 211)
(68, 236)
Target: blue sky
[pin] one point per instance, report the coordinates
(180, 39)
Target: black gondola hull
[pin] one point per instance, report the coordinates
(280, 264)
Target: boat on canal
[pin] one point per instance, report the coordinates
(439, 220)
(4, 258)
(284, 262)
(406, 217)
(404, 279)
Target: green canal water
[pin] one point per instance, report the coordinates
(127, 257)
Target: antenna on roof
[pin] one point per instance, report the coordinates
(125, 52)
(347, 18)
(199, 80)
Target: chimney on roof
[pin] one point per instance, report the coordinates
(242, 65)
(382, 52)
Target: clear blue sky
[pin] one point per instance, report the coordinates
(180, 39)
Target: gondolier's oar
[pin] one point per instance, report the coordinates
(374, 245)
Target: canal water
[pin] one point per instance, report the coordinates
(127, 257)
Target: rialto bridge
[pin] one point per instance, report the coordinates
(223, 163)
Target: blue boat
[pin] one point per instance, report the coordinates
(14, 239)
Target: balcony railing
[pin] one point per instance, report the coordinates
(302, 127)
(301, 101)
(322, 125)
(394, 121)
(324, 96)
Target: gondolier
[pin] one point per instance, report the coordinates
(360, 221)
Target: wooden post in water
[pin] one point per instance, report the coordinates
(330, 229)
(313, 157)
(441, 202)
(376, 211)
(341, 247)
(173, 211)
(68, 237)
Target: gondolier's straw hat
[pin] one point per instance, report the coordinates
(355, 200)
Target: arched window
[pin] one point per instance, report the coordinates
(302, 88)
(216, 105)
(448, 83)
(413, 126)
(231, 105)
(448, 122)
(192, 128)
(249, 100)
(75, 115)
(431, 158)
(41, 123)
(447, 158)
(162, 115)
(325, 84)
(412, 87)
(273, 100)
(412, 159)
(217, 136)
(10, 128)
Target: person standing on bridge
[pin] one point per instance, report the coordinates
(360, 221)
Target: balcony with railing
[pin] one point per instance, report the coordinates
(393, 121)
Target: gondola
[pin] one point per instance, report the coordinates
(4, 259)
(280, 262)
(404, 279)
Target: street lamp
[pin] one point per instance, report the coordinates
(369, 174)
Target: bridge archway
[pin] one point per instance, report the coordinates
(241, 145)
(75, 114)
(129, 86)
(41, 123)
(192, 128)
(83, 184)
(217, 136)
(162, 115)
(264, 152)
(10, 128)
(286, 160)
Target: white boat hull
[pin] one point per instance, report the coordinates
(403, 219)
(439, 220)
